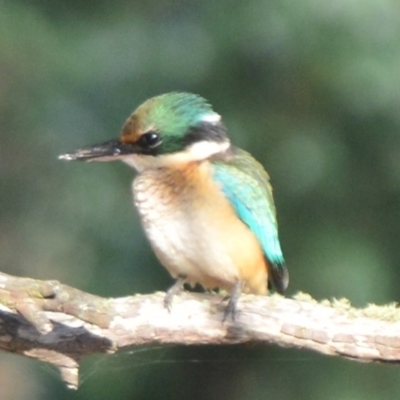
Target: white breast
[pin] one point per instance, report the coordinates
(184, 237)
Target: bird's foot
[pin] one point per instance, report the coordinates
(176, 288)
(231, 308)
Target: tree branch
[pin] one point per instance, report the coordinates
(59, 324)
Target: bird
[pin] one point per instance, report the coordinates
(205, 205)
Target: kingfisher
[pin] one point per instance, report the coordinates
(205, 205)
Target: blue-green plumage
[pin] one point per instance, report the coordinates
(246, 184)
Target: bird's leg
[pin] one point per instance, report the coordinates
(176, 288)
(231, 308)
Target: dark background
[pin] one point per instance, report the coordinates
(311, 88)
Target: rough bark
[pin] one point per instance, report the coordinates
(59, 324)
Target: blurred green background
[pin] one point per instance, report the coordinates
(311, 88)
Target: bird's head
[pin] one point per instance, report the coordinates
(165, 130)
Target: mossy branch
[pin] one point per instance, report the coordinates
(58, 324)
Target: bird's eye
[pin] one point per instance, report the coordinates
(150, 139)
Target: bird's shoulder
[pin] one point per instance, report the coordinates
(238, 168)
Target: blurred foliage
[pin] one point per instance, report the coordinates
(311, 88)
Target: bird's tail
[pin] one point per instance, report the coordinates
(279, 276)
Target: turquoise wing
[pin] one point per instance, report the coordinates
(245, 183)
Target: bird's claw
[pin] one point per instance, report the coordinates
(231, 308)
(176, 288)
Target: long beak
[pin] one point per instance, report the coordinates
(107, 151)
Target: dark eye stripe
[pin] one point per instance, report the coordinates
(206, 131)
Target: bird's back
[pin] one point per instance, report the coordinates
(246, 185)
